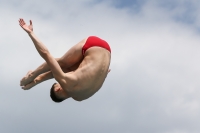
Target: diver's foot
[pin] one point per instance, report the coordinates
(27, 79)
(29, 85)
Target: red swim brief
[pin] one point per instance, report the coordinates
(95, 41)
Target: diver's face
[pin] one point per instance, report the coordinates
(60, 93)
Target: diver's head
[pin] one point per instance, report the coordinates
(57, 93)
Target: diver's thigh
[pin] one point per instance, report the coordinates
(73, 55)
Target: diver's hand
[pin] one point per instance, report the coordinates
(109, 70)
(27, 28)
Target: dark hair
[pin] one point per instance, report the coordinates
(53, 96)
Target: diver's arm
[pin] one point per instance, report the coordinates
(43, 51)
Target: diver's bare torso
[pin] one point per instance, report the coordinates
(91, 73)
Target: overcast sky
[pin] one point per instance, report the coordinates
(153, 86)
